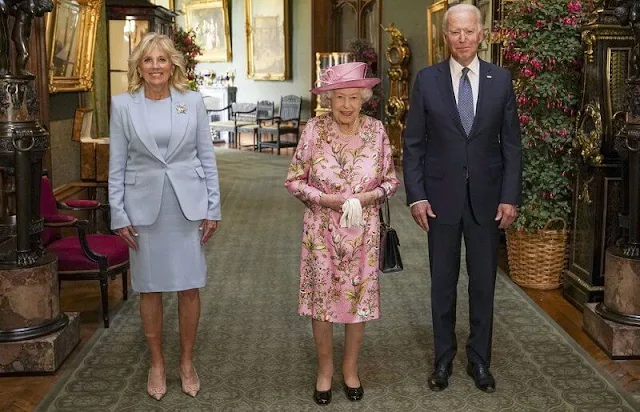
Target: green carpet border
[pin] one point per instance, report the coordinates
(79, 357)
(628, 396)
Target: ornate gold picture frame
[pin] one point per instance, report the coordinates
(71, 38)
(436, 47)
(210, 21)
(485, 49)
(268, 39)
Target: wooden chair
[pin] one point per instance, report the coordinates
(264, 112)
(241, 114)
(82, 257)
(287, 122)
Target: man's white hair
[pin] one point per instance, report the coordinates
(459, 8)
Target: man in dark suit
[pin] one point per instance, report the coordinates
(463, 177)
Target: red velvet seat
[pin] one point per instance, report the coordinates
(71, 257)
(83, 257)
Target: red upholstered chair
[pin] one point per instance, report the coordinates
(84, 256)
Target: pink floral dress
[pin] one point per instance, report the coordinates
(339, 266)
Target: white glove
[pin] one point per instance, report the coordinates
(351, 213)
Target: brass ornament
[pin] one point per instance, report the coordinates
(589, 133)
(395, 111)
(588, 39)
(398, 55)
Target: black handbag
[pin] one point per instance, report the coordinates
(390, 260)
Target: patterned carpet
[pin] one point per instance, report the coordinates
(254, 353)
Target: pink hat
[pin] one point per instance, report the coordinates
(344, 76)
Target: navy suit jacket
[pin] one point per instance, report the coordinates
(439, 159)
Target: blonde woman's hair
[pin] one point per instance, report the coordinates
(325, 97)
(178, 78)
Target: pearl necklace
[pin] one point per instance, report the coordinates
(353, 130)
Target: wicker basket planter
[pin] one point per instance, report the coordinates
(537, 260)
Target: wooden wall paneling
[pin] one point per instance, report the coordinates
(321, 35)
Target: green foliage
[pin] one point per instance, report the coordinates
(542, 49)
(185, 42)
(362, 51)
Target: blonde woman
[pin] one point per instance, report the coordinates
(164, 196)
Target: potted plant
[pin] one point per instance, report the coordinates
(360, 50)
(185, 42)
(541, 47)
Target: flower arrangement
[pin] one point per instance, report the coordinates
(541, 47)
(361, 50)
(185, 42)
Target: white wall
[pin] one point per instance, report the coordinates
(300, 57)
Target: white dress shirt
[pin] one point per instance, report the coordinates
(456, 74)
(474, 78)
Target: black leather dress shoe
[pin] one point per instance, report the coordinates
(354, 394)
(482, 377)
(439, 378)
(322, 397)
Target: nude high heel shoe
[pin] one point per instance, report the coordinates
(156, 389)
(190, 386)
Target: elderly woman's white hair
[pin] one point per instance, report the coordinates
(459, 8)
(325, 97)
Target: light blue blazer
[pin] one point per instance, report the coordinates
(137, 170)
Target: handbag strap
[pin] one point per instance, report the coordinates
(386, 215)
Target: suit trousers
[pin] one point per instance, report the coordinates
(481, 244)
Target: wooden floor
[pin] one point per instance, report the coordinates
(24, 393)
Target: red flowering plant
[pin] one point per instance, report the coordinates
(541, 47)
(185, 42)
(362, 51)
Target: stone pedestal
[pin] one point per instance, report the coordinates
(622, 290)
(40, 355)
(35, 337)
(29, 301)
(615, 323)
(617, 340)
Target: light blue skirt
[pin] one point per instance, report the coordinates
(169, 257)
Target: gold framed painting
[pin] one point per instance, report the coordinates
(486, 8)
(71, 39)
(267, 25)
(210, 22)
(436, 47)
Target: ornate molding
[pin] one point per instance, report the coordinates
(589, 40)
(398, 55)
(589, 133)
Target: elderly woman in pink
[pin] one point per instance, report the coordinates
(342, 170)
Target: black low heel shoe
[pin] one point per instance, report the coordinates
(354, 394)
(322, 397)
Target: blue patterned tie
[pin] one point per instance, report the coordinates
(465, 101)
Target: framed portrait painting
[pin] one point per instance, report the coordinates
(267, 23)
(436, 47)
(210, 22)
